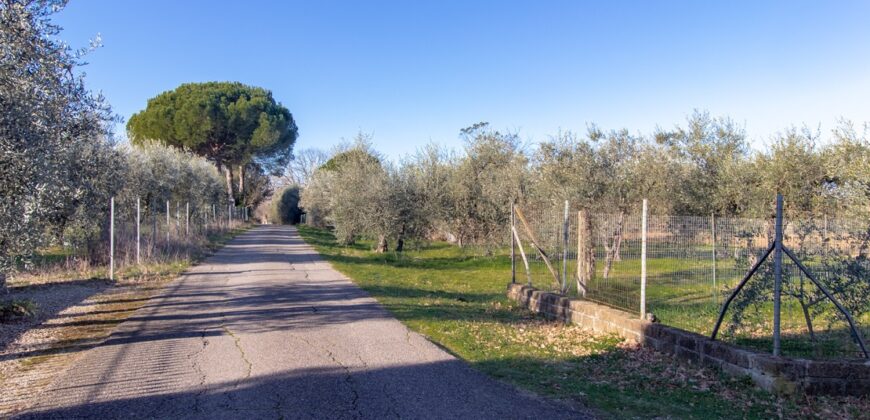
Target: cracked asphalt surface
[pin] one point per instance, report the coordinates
(266, 329)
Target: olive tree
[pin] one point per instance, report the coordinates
(711, 151)
(484, 182)
(348, 191)
(53, 131)
(847, 160)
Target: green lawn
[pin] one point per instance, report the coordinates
(456, 297)
(681, 293)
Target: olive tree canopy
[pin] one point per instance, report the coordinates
(54, 132)
(229, 123)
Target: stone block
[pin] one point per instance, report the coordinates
(837, 369)
(688, 355)
(824, 386)
(727, 353)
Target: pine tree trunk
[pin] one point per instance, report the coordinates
(242, 182)
(229, 175)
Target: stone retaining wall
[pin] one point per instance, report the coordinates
(775, 374)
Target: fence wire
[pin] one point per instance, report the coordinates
(694, 263)
(138, 231)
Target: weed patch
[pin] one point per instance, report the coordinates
(14, 309)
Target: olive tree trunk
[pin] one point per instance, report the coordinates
(400, 241)
(382, 244)
(612, 246)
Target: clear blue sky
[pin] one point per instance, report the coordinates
(414, 71)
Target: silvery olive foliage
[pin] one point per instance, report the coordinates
(432, 194)
(54, 133)
(156, 174)
(348, 192)
(59, 164)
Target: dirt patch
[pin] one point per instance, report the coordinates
(72, 317)
(50, 300)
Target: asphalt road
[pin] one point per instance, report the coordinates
(266, 329)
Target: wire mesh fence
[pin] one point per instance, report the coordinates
(161, 230)
(692, 265)
(129, 231)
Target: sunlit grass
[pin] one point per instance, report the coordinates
(457, 298)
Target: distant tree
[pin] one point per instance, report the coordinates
(847, 161)
(348, 192)
(484, 182)
(285, 206)
(430, 173)
(795, 168)
(711, 150)
(301, 168)
(566, 168)
(231, 124)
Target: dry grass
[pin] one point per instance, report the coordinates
(77, 308)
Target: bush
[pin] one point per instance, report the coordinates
(285, 206)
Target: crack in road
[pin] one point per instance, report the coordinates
(238, 343)
(348, 376)
(193, 357)
(394, 402)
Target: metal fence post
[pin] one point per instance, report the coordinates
(513, 248)
(777, 277)
(167, 222)
(138, 224)
(112, 238)
(565, 250)
(643, 228)
(713, 230)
